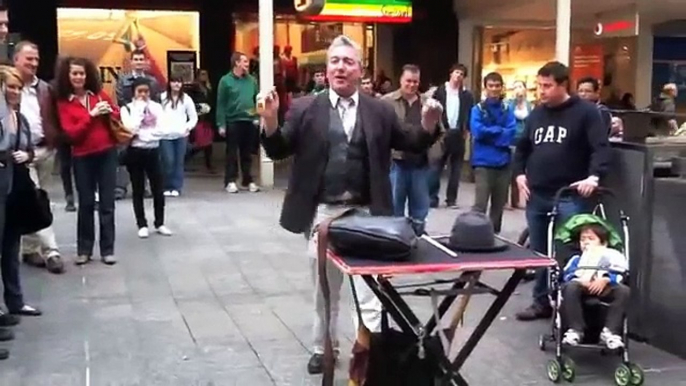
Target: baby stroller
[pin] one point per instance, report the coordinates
(561, 246)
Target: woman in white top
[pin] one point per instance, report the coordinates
(181, 117)
(145, 118)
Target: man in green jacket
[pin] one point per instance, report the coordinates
(236, 117)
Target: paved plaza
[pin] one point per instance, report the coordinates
(228, 301)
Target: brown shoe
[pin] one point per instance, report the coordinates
(35, 259)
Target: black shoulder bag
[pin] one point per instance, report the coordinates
(28, 207)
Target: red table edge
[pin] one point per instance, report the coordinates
(438, 268)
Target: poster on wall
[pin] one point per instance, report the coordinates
(107, 37)
(587, 60)
(183, 64)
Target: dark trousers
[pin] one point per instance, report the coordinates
(454, 158)
(66, 167)
(573, 294)
(241, 144)
(537, 209)
(491, 186)
(96, 172)
(141, 163)
(10, 244)
(207, 152)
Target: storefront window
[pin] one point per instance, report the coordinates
(108, 36)
(518, 54)
(308, 41)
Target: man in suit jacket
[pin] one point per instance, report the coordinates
(458, 103)
(341, 141)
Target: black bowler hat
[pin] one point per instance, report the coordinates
(473, 232)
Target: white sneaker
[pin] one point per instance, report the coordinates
(167, 193)
(143, 233)
(572, 338)
(232, 187)
(611, 340)
(253, 188)
(175, 193)
(164, 231)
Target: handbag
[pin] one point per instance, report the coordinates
(119, 132)
(28, 207)
(384, 238)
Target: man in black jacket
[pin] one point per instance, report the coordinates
(341, 141)
(565, 143)
(458, 103)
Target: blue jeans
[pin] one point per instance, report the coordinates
(173, 156)
(410, 186)
(537, 210)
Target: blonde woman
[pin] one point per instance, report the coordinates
(16, 152)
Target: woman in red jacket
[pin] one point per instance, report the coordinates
(84, 111)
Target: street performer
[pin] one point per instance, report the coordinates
(341, 143)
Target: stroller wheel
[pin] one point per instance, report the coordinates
(623, 375)
(568, 369)
(554, 371)
(541, 342)
(637, 376)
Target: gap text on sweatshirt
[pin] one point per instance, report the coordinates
(562, 145)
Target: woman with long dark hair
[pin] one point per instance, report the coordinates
(202, 137)
(85, 112)
(180, 115)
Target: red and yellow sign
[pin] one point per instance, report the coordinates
(358, 11)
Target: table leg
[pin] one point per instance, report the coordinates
(488, 319)
(395, 306)
(407, 320)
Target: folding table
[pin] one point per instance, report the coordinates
(428, 258)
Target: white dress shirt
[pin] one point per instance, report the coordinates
(30, 108)
(347, 109)
(452, 105)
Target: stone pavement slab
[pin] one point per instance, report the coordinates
(228, 301)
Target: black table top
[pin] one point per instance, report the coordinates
(428, 258)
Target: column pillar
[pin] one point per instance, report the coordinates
(563, 26)
(266, 27)
(644, 63)
(465, 47)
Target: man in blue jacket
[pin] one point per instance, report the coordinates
(493, 127)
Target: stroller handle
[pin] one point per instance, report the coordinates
(572, 191)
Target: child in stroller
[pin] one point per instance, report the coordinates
(596, 272)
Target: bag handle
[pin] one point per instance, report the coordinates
(322, 260)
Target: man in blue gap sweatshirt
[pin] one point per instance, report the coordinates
(565, 143)
(493, 128)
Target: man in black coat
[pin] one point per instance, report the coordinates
(457, 102)
(341, 143)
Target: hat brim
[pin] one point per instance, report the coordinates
(498, 246)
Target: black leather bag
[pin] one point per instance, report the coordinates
(28, 207)
(358, 234)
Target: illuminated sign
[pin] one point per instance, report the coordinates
(617, 27)
(360, 11)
